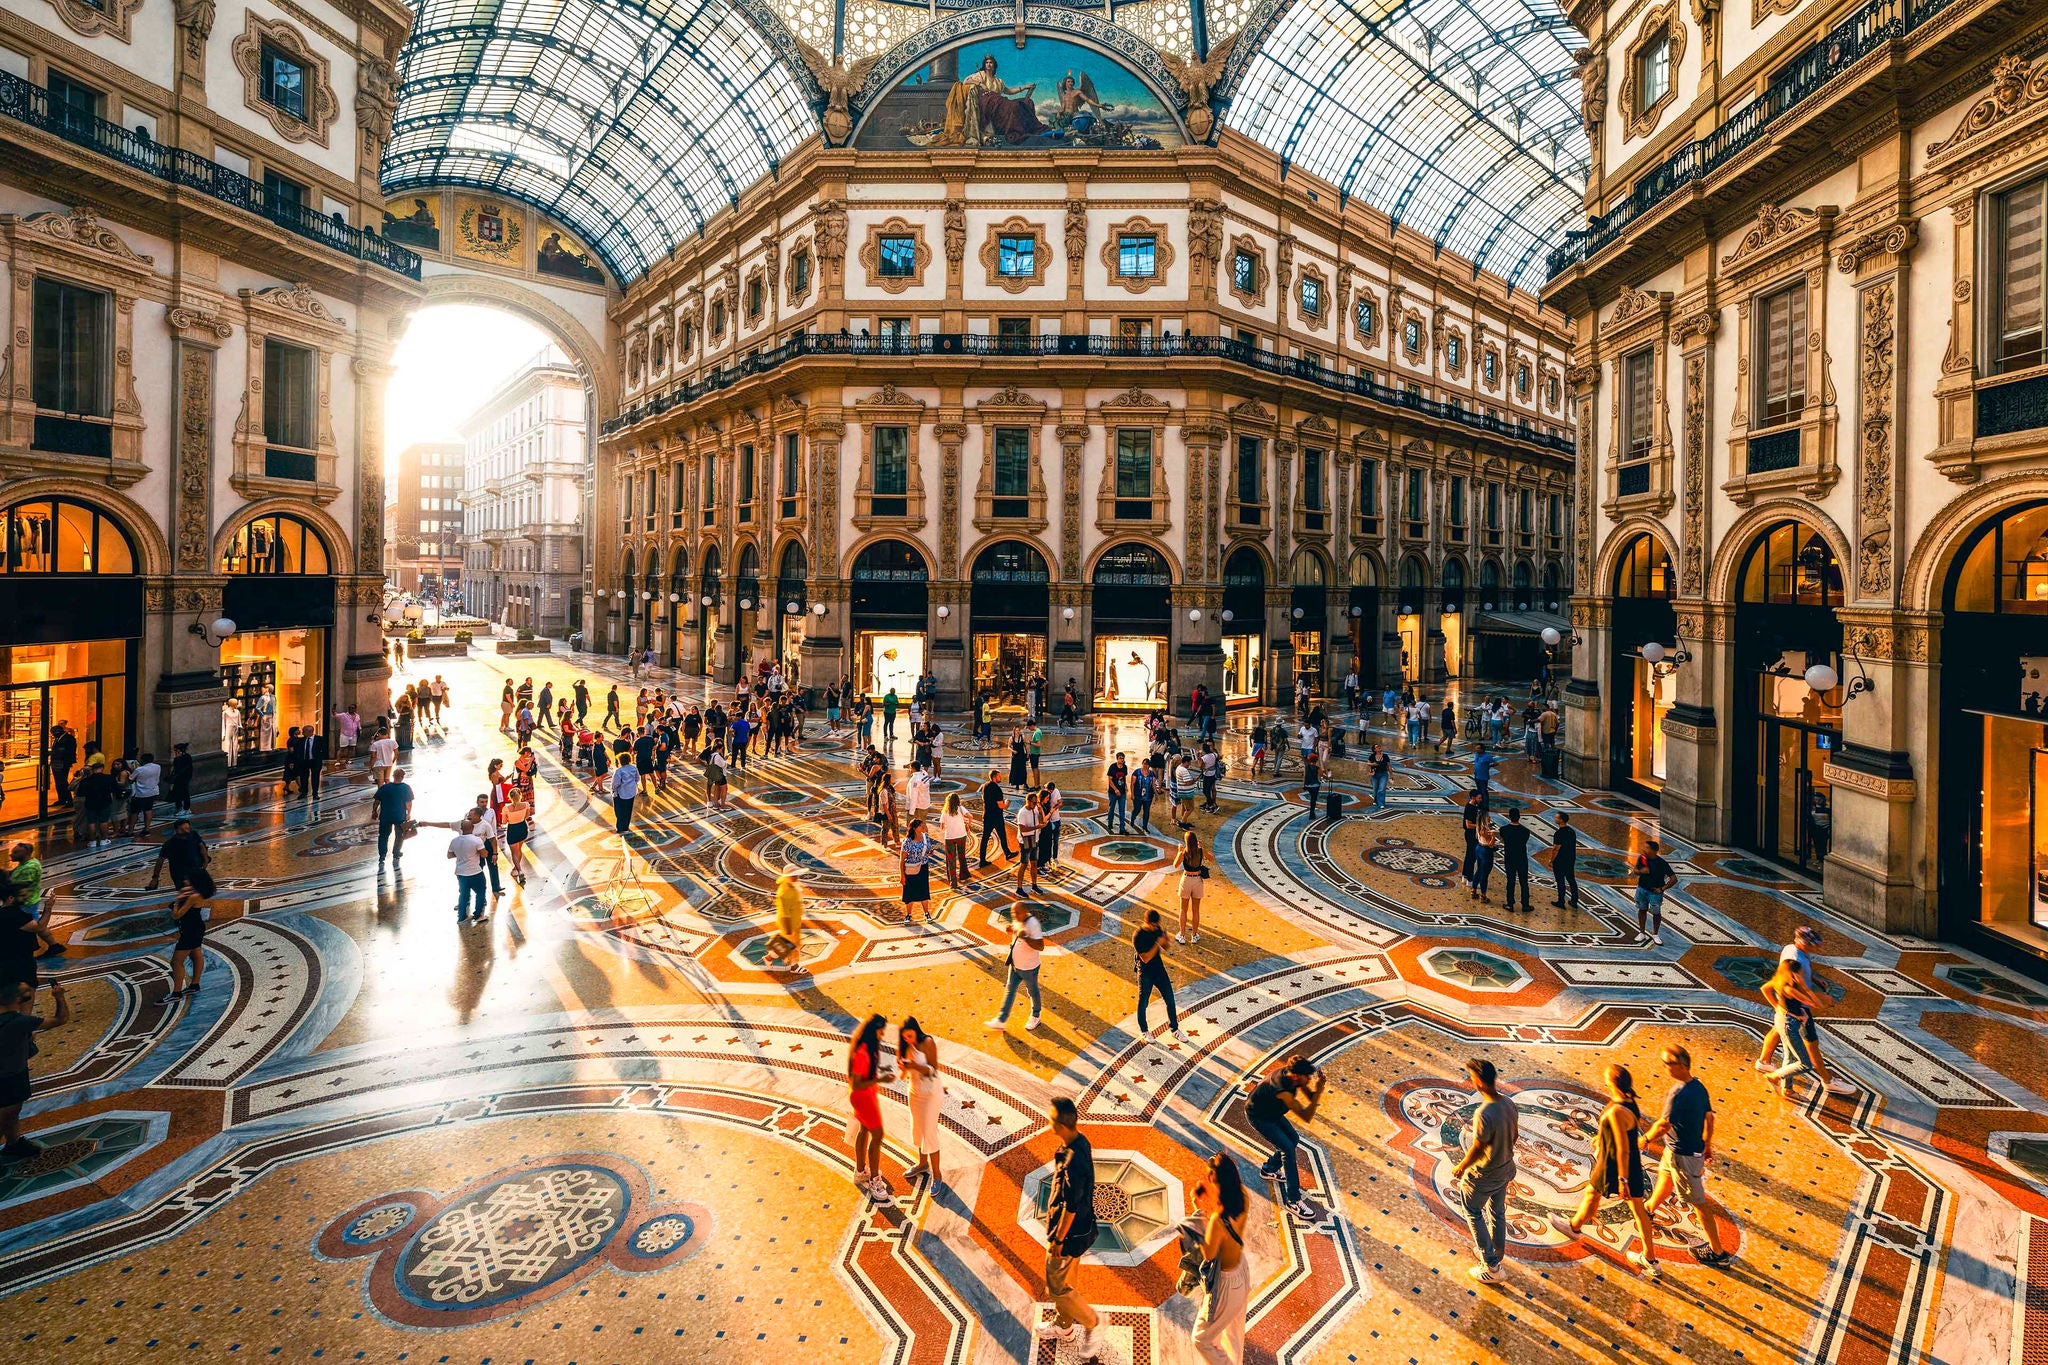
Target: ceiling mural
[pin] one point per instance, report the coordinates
(991, 94)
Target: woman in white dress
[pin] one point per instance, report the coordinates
(917, 1056)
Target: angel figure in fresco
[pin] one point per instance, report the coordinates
(1078, 93)
(838, 82)
(980, 106)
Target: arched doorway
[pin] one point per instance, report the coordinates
(1992, 820)
(1451, 619)
(280, 595)
(1308, 610)
(1523, 586)
(1132, 620)
(1643, 692)
(747, 589)
(71, 618)
(678, 606)
(623, 600)
(1787, 590)
(891, 596)
(1362, 602)
(710, 593)
(1009, 608)
(1413, 590)
(790, 615)
(1244, 627)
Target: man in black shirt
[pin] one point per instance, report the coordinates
(993, 803)
(1564, 861)
(313, 756)
(1069, 1232)
(181, 779)
(1119, 775)
(1475, 811)
(19, 1025)
(1293, 1089)
(63, 758)
(184, 853)
(1653, 878)
(1514, 853)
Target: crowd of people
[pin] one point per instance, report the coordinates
(644, 737)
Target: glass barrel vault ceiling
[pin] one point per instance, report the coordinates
(635, 122)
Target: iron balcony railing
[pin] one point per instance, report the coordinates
(30, 104)
(1872, 25)
(1175, 347)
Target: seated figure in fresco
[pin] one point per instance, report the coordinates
(979, 107)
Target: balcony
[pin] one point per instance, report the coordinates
(1869, 28)
(2017, 405)
(30, 104)
(1774, 450)
(1176, 347)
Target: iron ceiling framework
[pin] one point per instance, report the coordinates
(635, 122)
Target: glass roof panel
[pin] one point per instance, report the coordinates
(1457, 117)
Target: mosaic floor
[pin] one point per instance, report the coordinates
(594, 1128)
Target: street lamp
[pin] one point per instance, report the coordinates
(215, 633)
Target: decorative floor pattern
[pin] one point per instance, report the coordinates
(595, 1127)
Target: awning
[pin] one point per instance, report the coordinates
(1521, 623)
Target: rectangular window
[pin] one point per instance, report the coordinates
(792, 468)
(757, 299)
(1781, 347)
(283, 197)
(1455, 510)
(1638, 403)
(1312, 485)
(283, 82)
(1493, 508)
(2022, 272)
(746, 489)
(1244, 272)
(676, 489)
(1312, 296)
(709, 501)
(1017, 256)
(1369, 492)
(1013, 335)
(1137, 258)
(1134, 475)
(1012, 469)
(892, 463)
(1417, 499)
(1249, 452)
(896, 333)
(74, 105)
(1525, 511)
(70, 349)
(1556, 516)
(290, 392)
(1653, 73)
(799, 276)
(898, 257)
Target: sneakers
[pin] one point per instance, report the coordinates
(1274, 1165)
(1563, 1225)
(878, 1190)
(1839, 1086)
(1486, 1274)
(1179, 1036)
(1645, 1267)
(1032, 1022)
(995, 1025)
(1051, 1330)
(1304, 1210)
(1180, 938)
(1712, 1257)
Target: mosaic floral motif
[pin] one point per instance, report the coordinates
(1748, 972)
(509, 1240)
(1603, 865)
(1984, 981)
(1404, 857)
(1553, 1161)
(1474, 970)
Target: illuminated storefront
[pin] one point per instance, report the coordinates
(1644, 693)
(280, 595)
(1244, 628)
(68, 569)
(1009, 607)
(1133, 619)
(1244, 668)
(889, 596)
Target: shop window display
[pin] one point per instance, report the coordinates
(891, 659)
(1244, 668)
(1130, 671)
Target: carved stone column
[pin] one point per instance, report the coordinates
(1587, 696)
(949, 660)
(951, 432)
(1279, 644)
(1204, 519)
(826, 434)
(364, 671)
(1694, 801)
(188, 692)
(1073, 435)
(1694, 336)
(1198, 657)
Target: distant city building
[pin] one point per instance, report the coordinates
(423, 520)
(525, 458)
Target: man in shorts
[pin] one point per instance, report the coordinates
(1804, 940)
(1687, 1128)
(19, 1025)
(1069, 1232)
(1653, 878)
(190, 910)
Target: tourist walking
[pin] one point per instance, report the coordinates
(917, 1057)
(953, 835)
(993, 804)
(1049, 803)
(864, 1076)
(1030, 820)
(190, 910)
(1070, 1232)
(1117, 778)
(1791, 1005)
(517, 816)
(1564, 861)
(1618, 1170)
(1193, 865)
(1686, 1128)
(467, 851)
(1380, 765)
(1027, 940)
(1291, 1090)
(785, 946)
(1798, 952)
(1149, 943)
(1653, 878)
(1221, 1202)
(914, 862)
(19, 1025)
(1486, 846)
(625, 788)
(1143, 785)
(1483, 1174)
(1471, 817)
(392, 810)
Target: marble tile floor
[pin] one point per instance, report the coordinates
(593, 1128)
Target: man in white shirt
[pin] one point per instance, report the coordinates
(143, 785)
(1027, 939)
(625, 786)
(383, 757)
(1796, 952)
(917, 797)
(468, 852)
(485, 826)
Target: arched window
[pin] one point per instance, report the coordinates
(1414, 573)
(1010, 561)
(1791, 564)
(2004, 565)
(790, 578)
(1363, 573)
(1309, 570)
(749, 584)
(889, 561)
(708, 579)
(276, 544)
(679, 576)
(1644, 571)
(1133, 566)
(58, 536)
(1553, 597)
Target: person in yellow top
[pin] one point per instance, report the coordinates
(785, 946)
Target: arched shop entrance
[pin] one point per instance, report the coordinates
(1643, 692)
(1308, 611)
(1992, 823)
(1451, 618)
(651, 603)
(1524, 585)
(1244, 627)
(628, 594)
(1133, 625)
(1785, 733)
(69, 572)
(678, 606)
(790, 616)
(1408, 624)
(709, 591)
(747, 589)
(1362, 603)
(891, 594)
(280, 595)
(1009, 607)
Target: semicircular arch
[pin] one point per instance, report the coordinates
(1621, 538)
(544, 313)
(331, 532)
(152, 554)
(1736, 542)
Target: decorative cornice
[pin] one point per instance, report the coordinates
(1773, 225)
(82, 227)
(2019, 89)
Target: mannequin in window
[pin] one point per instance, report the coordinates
(266, 720)
(231, 731)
